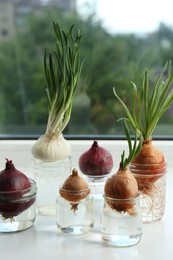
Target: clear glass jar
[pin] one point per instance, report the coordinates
(18, 209)
(49, 177)
(152, 188)
(75, 217)
(121, 222)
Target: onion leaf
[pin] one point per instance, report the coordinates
(134, 147)
(149, 103)
(62, 67)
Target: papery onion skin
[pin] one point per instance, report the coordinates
(51, 149)
(74, 188)
(13, 185)
(96, 161)
(12, 179)
(121, 185)
(149, 161)
(149, 155)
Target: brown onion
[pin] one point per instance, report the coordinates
(149, 161)
(122, 187)
(149, 155)
(96, 161)
(74, 188)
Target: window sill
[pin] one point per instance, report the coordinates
(20, 150)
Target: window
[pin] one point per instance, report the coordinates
(118, 44)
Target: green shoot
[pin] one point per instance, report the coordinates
(149, 104)
(134, 147)
(62, 68)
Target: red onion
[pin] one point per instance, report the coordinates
(13, 187)
(96, 161)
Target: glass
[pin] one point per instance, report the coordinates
(49, 177)
(97, 180)
(121, 222)
(75, 218)
(18, 209)
(152, 188)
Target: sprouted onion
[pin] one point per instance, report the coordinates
(121, 188)
(74, 189)
(149, 104)
(62, 68)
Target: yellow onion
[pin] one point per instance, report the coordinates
(149, 154)
(119, 189)
(75, 188)
(148, 166)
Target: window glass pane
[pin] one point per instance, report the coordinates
(120, 40)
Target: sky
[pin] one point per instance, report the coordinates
(130, 16)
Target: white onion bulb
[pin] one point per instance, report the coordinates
(51, 149)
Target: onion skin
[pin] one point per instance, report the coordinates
(13, 185)
(121, 185)
(75, 188)
(96, 161)
(51, 149)
(149, 155)
(12, 179)
(149, 161)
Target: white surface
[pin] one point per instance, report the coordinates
(42, 242)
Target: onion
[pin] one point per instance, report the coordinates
(13, 186)
(149, 155)
(74, 189)
(51, 149)
(62, 67)
(96, 161)
(149, 161)
(149, 104)
(119, 189)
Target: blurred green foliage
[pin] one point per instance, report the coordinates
(110, 60)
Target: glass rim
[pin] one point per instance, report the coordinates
(75, 191)
(122, 200)
(33, 188)
(96, 176)
(149, 165)
(144, 175)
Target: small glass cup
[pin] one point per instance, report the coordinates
(121, 222)
(18, 209)
(75, 218)
(152, 188)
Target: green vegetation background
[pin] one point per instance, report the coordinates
(110, 60)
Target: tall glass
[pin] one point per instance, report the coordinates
(49, 176)
(152, 188)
